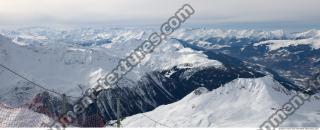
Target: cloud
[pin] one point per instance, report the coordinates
(155, 11)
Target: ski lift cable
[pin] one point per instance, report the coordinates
(40, 86)
(36, 84)
(155, 120)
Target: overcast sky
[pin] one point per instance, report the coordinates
(215, 13)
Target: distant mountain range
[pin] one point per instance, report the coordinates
(198, 77)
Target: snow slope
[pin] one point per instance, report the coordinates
(70, 68)
(311, 38)
(240, 103)
(277, 44)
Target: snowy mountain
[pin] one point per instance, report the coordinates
(243, 102)
(167, 86)
(67, 60)
(294, 56)
(50, 64)
(222, 35)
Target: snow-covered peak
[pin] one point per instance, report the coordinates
(85, 36)
(99, 36)
(172, 54)
(93, 36)
(309, 34)
(310, 38)
(240, 103)
(49, 64)
(196, 34)
(277, 44)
